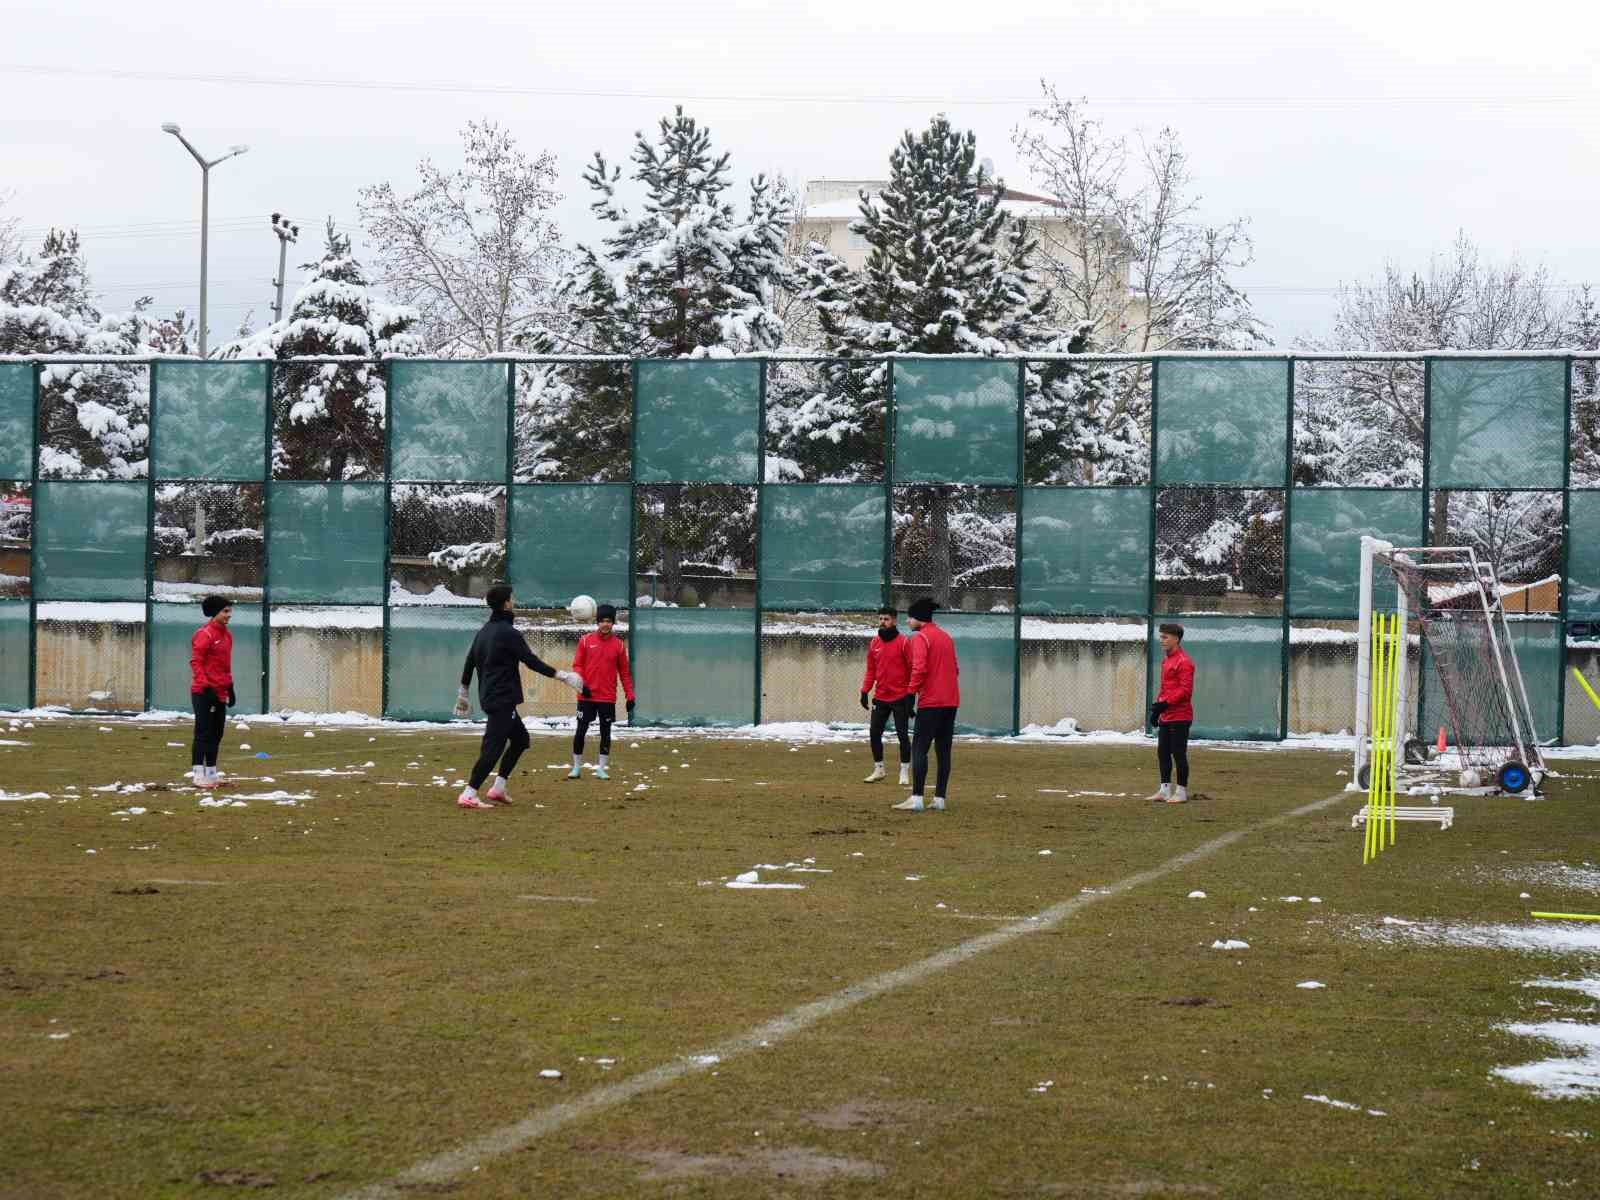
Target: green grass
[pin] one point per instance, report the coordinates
(351, 985)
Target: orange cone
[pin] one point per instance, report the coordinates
(1441, 742)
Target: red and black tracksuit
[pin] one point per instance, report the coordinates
(210, 689)
(935, 680)
(1174, 715)
(601, 659)
(497, 652)
(889, 672)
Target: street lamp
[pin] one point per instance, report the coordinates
(287, 232)
(205, 210)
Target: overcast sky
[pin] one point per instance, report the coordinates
(1369, 131)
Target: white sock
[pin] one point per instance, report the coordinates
(577, 762)
(211, 774)
(1183, 792)
(605, 760)
(500, 782)
(469, 790)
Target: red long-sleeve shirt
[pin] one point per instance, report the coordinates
(600, 660)
(889, 667)
(1177, 687)
(934, 669)
(211, 660)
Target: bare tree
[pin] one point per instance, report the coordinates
(473, 250)
(10, 232)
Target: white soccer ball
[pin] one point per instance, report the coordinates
(645, 601)
(582, 608)
(1471, 779)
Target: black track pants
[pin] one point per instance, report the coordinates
(505, 737)
(900, 710)
(1172, 747)
(936, 727)
(594, 710)
(209, 715)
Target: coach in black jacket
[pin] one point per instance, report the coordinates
(497, 652)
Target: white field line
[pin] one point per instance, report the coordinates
(509, 1139)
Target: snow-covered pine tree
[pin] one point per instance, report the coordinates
(1583, 333)
(95, 417)
(328, 418)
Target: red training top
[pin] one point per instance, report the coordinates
(600, 660)
(934, 669)
(1177, 687)
(211, 660)
(889, 666)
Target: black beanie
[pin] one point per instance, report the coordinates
(212, 605)
(606, 612)
(922, 610)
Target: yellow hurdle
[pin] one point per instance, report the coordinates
(1584, 684)
(1388, 658)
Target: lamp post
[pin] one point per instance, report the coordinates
(287, 232)
(205, 210)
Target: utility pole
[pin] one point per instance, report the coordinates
(205, 211)
(287, 233)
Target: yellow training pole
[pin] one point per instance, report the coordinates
(1584, 683)
(1372, 754)
(1396, 665)
(1385, 793)
(1569, 916)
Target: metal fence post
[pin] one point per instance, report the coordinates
(1566, 547)
(633, 512)
(1288, 511)
(511, 460)
(266, 546)
(1150, 594)
(385, 368)
(888, 482)
(1427, 540)
(1016, 603)
(33, 541)
(150, 544)
(761, 492)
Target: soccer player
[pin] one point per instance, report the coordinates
(601, 658)
(1172, 714)
(934, 679)
(210, 687)
(496, 652)
(889, 670)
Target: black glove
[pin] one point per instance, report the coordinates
(630, 710)
(585, 693)
(864, 700)
(911, 707)
(1156, 709)
(233, 696)
(211, 696)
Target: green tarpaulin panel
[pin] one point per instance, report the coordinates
(427, 647)
(325, 543)
(822, 546)
(16, 421)
(1325, 545)
(986, 652)
(1583, 556)
(1238, 675)
(13, 654)
(1496, 423)
(1538, 649)
(569, 540)
(694, 666)
(955, 422)
(449, 421)
(210, 420)
(171, 637)
(1222, 422)
(89, 540)
(698, 422)
(1086, 551)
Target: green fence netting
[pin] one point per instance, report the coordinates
(986, 652)
(427, 646)
(1086, 550)
(14, 617)
(306, 522)
(1538, 649)
(16, 421)
(1238, 675)
(171, 636)
(449, 421)
(821, 546)
(569, 540)
(1496, 424)
(1583, 556)
(1327, 525)
(210, 420)
(955, 422)
(89, 540)
(1223, 422)
(698, 422)
(694, 666)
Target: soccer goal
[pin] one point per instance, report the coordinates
(1449, 599)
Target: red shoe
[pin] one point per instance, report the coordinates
(468, 800)
(497, 795)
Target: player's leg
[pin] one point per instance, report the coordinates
(586, 712)
(219, 720)
(920, 741)
(876, 721)
(902, 733)
(496, 729)
(606, 714)
(517, 741)
(202, 734)
(1180, 760)
(1164, 762)
(944, 745)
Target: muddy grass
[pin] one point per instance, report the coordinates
(309, 998)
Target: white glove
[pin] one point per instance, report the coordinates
(572, 679)
(463, 708)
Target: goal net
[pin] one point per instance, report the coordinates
(1450, 599)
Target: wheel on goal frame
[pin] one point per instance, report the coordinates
(1417, 752)
(1514, 777)
(1364, 778)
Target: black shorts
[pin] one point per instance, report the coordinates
(602, 710)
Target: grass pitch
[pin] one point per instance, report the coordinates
(315, 997)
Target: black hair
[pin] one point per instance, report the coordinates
(498, 595)
(212, 605)
(888, 610)
(1171, 627)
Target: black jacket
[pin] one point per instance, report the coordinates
(495, 653)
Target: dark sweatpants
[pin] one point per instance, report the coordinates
(505, 737)
(1172, 747)
(209, 715)
(900, 710)
(590, 711)
(936, 727)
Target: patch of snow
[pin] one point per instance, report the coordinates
(1230, 944)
